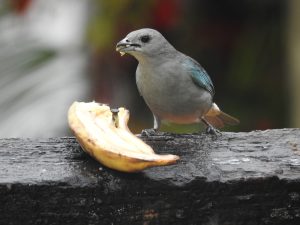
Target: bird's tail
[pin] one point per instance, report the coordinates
(218, 119)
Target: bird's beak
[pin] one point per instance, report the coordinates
(125, 46)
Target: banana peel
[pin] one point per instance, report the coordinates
(105, 136)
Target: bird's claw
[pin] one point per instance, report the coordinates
(211, 130)
(148, 132)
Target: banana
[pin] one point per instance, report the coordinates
(106, 137)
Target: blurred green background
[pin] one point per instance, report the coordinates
(55, 52)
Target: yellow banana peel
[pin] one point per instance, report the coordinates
(105, 136)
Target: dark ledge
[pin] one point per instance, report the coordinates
(236, 178)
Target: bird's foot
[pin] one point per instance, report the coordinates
(211, 130)
(148, 132)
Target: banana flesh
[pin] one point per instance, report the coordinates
(105, 136)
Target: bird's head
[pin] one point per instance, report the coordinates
(142, 43)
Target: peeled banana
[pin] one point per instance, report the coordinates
(105, 136)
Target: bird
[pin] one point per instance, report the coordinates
(175, 87)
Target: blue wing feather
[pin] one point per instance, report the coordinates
(199, 75)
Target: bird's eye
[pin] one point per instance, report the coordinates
(145, 38)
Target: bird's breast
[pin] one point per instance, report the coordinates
(171, 94)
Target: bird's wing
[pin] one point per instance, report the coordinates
(199, 75)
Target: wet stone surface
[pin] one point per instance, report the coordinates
(235, 178)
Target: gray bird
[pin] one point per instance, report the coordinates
(174, 86)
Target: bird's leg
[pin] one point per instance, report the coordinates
(209, 128)
(156, 125)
